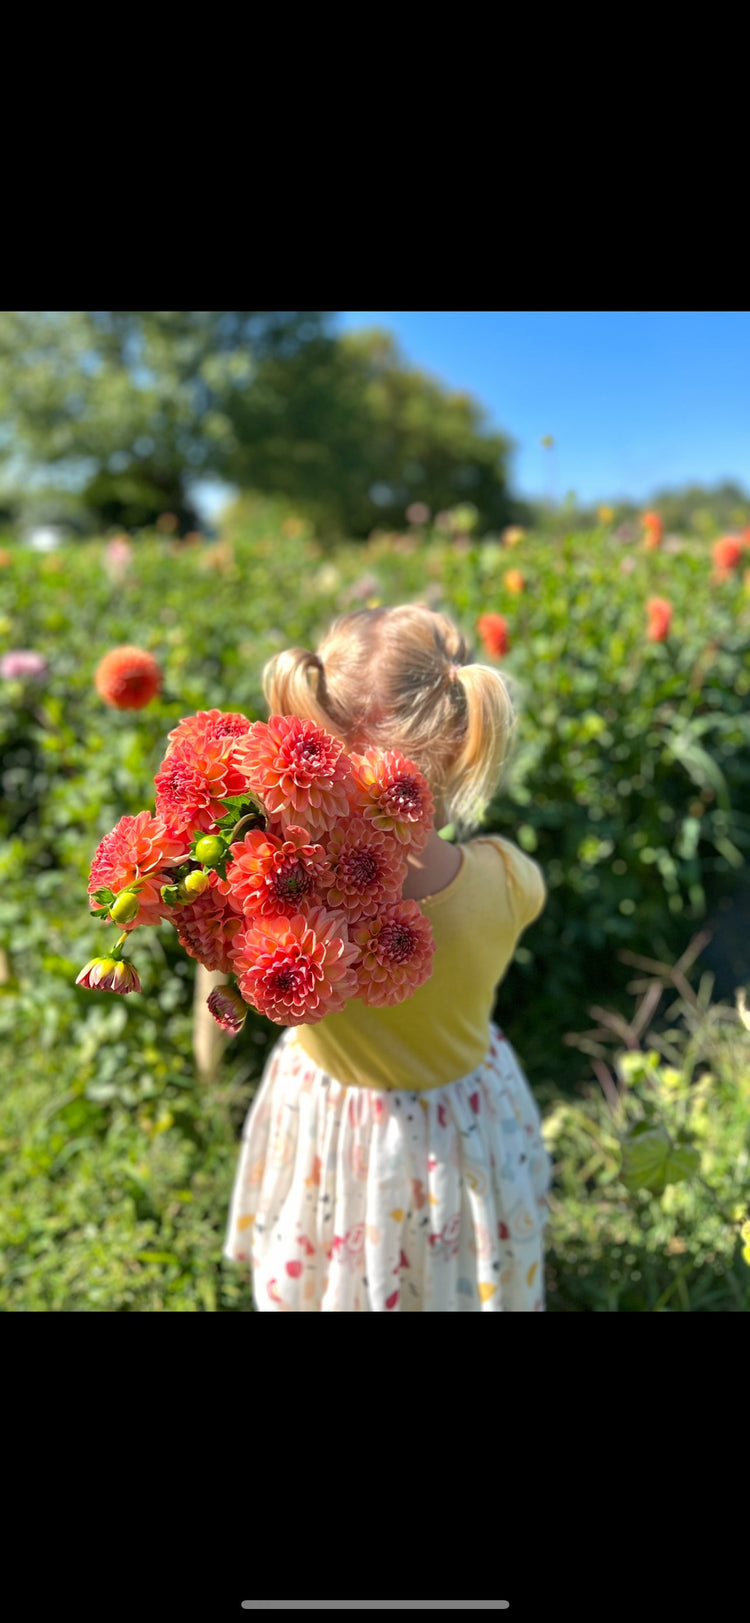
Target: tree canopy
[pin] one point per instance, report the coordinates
(132, 407)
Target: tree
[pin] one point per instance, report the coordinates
(137, 404)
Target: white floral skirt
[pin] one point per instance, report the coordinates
(351, 1199)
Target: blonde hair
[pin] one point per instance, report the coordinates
(403, 678)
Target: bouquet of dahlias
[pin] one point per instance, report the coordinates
(279, 859)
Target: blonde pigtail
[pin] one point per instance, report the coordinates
(490, 723)
(294, 685)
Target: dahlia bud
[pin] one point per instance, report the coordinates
(109, 975)
(125, 907)
(210, 850)
(170, 895)
(228, 1008)
(196, 883)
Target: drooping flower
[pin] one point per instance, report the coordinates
(660, 618)
(228, 1008)
(654, 529)
(295, 971)
(137, 848)
(397, 948)
(194, 779)
(208, 928)
(273, 875)
(22, 662)
(392, 793)
(300, 771)
(109, 975)
(206, 726)
(367, 867)
(493, 630)
(128, 678)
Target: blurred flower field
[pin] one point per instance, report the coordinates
(629, 662)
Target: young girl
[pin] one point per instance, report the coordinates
(392, 1159)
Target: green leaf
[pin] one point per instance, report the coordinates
(650, 1160)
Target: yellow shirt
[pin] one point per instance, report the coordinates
(441, 1032)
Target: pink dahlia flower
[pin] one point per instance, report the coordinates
(394, 795)
(300, 771)
(228, 1008)
(296, 971)
(206, 726)
(22, 662)
(194, 779)
(109, 975)
(367, 867)
(207, 928)
(272, 875)
(139, 847)
(397, 948)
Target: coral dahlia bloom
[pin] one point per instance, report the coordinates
(514, 581)
(194, 779)
(296, 971)
(137, 848)
(393, 794)
(654, 528)
(493, 630)
(270, 875)
(659, 618)
(109, 975)
(206, 726)
(208, 928)
(228, 1008)
(397, 948)
(367, 867)
(298, 769)
(128, 678)
(727, 553)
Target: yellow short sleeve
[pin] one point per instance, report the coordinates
(527, 891)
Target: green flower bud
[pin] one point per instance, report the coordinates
(196, 883)
(170, 895)
(210, 850)
(125, 907)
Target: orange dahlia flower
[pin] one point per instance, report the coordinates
(727, 554)
(514, 580)
(208, 928)
(654, 528)
(272, 876)
(206, 726)
(397, 948)
(300, 772)
(493, 630)
(660, 618)
(128, 678)
(394, 795)
(296, 971)
(367, 867)
(193, 781)
(137, 848)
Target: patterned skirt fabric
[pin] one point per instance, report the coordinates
(350, 1199)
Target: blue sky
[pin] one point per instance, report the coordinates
(633, 399)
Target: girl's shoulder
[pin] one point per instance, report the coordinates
(524, 880)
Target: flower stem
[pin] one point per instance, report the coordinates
(250, 817)
(118, 946)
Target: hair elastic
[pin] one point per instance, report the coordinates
(453, 673)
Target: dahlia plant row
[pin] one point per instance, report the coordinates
(280, 860)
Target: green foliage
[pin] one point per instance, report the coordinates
(630, 783)
(133, 405)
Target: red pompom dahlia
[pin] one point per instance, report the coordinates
(296, 970)
(397, 948)
(206, 726)
(493, 630)
(300, 771)
(367, 867)
(138, 847)
(273, 875)
(128, 678)
(394, 795)
(192, 782)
